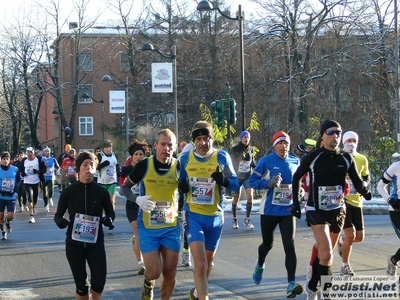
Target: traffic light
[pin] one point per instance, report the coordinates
(68, 132)
(219, 107)
(232, 111)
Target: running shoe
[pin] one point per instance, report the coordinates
(257, 274)
(21, 209)
(147, 292)
(391, 267)
(310, 294)
(235, 223)
(346, 271)
(248, 224)
(32, 219)
(4, 235)
(51, 202)
(309, 273)
(8, 227)
(340, 245)
(186, 261)
(191, 295)
(26, 208)
(47, 209)
(141, 268)
(293, 289)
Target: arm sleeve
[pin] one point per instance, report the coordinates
(61, 208)
(382, 190)
(134, 177)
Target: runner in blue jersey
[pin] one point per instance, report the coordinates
(274, 174)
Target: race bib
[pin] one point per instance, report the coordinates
(162, 214)
(49, 171)
(110, 171)
(330, 197)
(71, 171)
(202, 190)
(86, 228)
(7, 185)
(244, 166)
(282, 195)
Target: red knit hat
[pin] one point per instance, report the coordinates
(280, 136)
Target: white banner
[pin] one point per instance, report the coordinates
(117, 102)
(161, 77)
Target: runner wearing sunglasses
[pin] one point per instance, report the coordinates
(328, 167)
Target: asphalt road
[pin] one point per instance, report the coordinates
(33, 263)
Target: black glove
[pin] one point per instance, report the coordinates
(104, 164)
(23, 174)
(35, 171)
(183, 187)
(64, 223)
(275, 181)
(367, 195)
(395, 203)
(219, 178)
(296, 210)
(107, 221)
(253, 165)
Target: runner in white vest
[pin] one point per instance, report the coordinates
(108, 168)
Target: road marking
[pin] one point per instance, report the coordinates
(17, 294)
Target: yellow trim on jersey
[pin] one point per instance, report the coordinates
(201, 171)
(163, 191)
(362, 168)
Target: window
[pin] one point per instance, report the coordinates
(85, 88)
(124, 62)
(85, 62)
(85, 125)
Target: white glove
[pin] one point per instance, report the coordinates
(144, 203)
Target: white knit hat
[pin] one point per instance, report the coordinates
(350, 135)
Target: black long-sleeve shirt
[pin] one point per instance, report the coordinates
(326, 168)
(90, 199)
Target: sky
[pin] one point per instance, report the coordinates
(19, 9)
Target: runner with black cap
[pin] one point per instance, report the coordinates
(328, 167)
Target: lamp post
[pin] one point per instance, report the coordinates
(87, 96)
(56, 112)
(149, 47)
(207, 6)
(396, 74)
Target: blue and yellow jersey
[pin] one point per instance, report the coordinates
(205, 196)
(163, 191)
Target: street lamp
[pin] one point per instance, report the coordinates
(87, 96)
(207, 6)
(149, 47)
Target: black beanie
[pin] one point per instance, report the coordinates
(328, 124)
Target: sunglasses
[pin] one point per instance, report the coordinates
(332, 132)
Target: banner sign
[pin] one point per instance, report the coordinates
(117, 102)
(161, 77)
